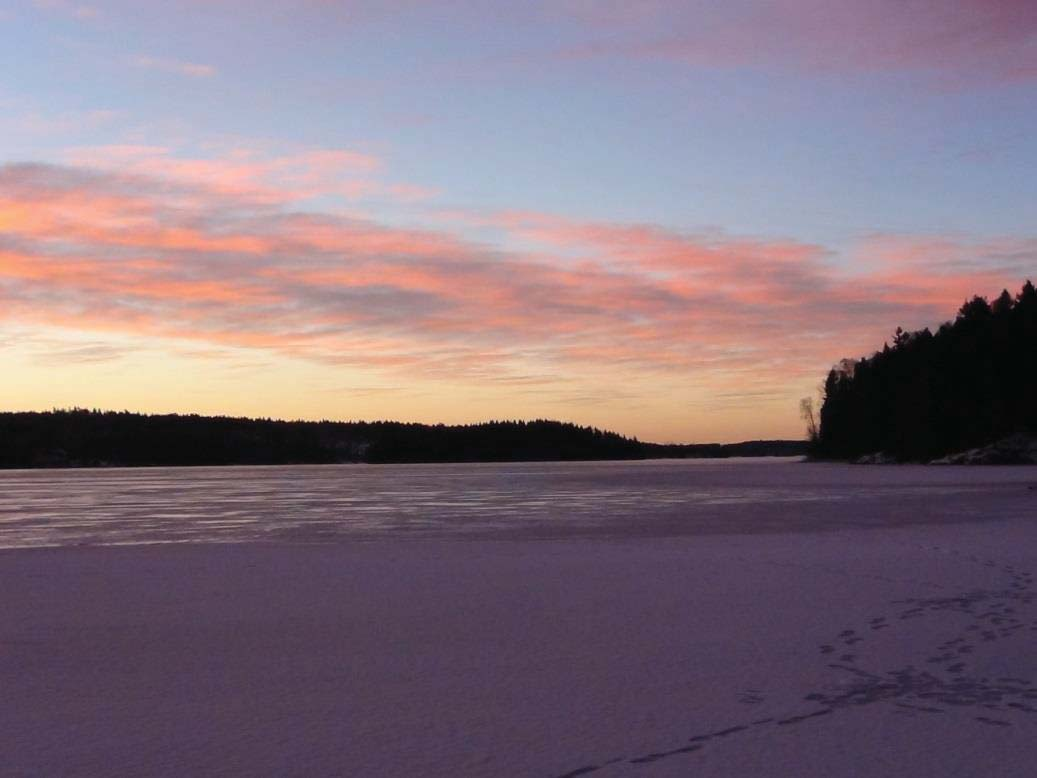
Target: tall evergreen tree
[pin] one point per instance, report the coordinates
(971, 383)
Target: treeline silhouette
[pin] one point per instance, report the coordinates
(92, 438)
(970, 383)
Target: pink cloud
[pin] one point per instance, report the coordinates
(37, 123)
(968, 41)
(193, 69)
(66, 8)
(177, 67)
(170, 257)
(254, 171)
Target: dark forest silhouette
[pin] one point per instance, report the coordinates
(970, 383)
(85, 438)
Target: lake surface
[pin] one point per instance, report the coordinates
(326, 504)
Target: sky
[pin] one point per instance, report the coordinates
(669, 219)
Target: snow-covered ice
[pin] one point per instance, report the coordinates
(784, 619)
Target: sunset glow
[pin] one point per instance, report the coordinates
(660, 218)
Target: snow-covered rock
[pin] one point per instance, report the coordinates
(878, 458)
(1014, 450)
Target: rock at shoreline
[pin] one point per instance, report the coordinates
(878, 458)
(1014, 450)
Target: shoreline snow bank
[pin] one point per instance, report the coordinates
(1014, 450)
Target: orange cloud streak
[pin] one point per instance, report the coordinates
(157, 251)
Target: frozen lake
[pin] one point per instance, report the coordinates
(320, 504)
(726, 619)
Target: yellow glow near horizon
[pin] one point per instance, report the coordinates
(60, 369)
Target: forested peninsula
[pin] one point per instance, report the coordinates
(93, 438)
(970, 384)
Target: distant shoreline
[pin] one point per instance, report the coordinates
(111, 466)
(83, 439)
